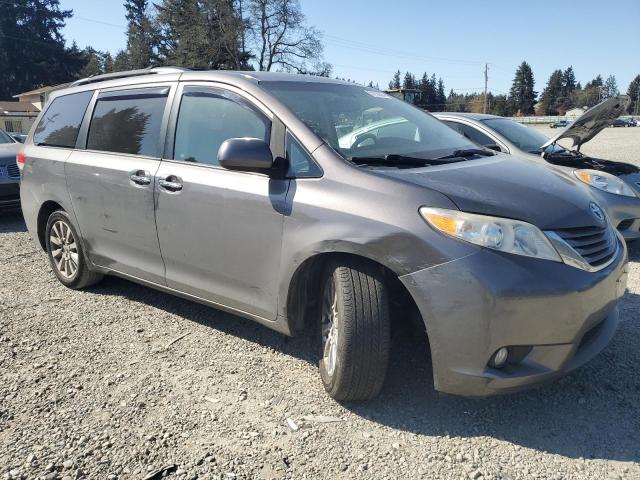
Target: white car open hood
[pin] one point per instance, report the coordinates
(593, 121)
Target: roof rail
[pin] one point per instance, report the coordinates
(128, 73)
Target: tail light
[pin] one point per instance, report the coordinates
(21, 158)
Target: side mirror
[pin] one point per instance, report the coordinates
(493, 146)
(245, 154)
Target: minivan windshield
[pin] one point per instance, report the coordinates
(364, 123)
(525, 138)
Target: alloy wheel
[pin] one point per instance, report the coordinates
(330, 319)
(64, 249)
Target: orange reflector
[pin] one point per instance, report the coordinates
(442, 223)
(585, 177)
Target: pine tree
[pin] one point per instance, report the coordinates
(409, 81)
(552, 93)
(140, 35)
(441, 98)
(394, 84)
(183, 34)
(427, 92)
(522, 96)
(32, 45)
(610, 88)
(634, 93)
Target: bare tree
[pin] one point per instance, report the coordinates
(283, 39)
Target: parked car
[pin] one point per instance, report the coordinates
(621, 122)
(616, 185)
(560, 124)
(232, 189)
(9, 172)
(18, 137)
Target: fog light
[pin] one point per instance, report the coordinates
(499, 359)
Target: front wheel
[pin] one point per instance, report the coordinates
(66, 254)
(354, 329)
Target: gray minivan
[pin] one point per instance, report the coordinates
(236, 190)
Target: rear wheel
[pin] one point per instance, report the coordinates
(354, 330)
(66, 254)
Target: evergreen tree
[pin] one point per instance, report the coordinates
(552, 93)
(409, 81)
(32, 48)
(634, 93)
(140, 35)
(522, 96)
(427, 92)
(610, 88)
(441, 98)
(395, 81)
(183, 34)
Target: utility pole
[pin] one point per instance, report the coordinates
(486, 80)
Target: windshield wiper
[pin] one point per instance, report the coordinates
(468, 152)
(393, 160)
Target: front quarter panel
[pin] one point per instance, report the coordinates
(352, 210)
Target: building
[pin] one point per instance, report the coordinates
(38, 97)
(17, 116)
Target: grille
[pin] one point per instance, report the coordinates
(596, 245)
(13, 171)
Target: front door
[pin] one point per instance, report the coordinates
(220, 231)
(111, 182)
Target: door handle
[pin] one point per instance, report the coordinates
(171, 183)
(140, 177)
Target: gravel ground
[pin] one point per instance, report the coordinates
(92, 387)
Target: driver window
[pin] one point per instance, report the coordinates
(207, 118)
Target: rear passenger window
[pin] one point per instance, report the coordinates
(207, 118)
(128, 121)
(60, 123)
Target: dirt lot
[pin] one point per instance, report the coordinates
(92, 387)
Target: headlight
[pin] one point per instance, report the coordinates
(604, 181)
(502, 234)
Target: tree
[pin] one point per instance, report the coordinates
(428, 93)
(140, 34)
(409, 81)
(591, 94)
(32, 48)
(552, 93)
(282, 37)
(634, 93)
(522, 96)
(441, 98)
(96, 62)
(395, 81)
(182, 34)
(610, 88)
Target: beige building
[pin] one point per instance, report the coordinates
(17, 116)
(38, 97)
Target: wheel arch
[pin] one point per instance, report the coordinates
(305, 282)
(46, 209)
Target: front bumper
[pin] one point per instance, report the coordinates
(9, 194)
(475, 305)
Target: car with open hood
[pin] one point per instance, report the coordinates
(9, 172)
(238, 190)
(616, 185)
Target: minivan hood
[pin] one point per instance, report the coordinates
(510, 187)
(593, 121)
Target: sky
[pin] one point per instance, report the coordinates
(368, 40)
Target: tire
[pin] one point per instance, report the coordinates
(354, 330)
(68, 262)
